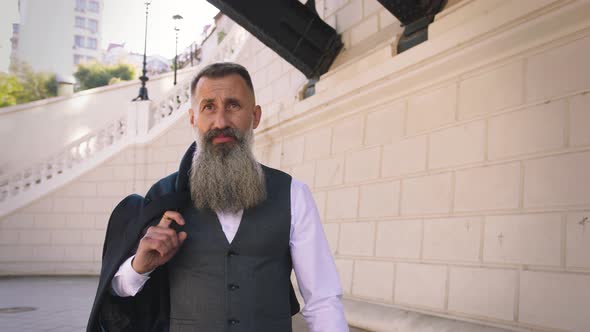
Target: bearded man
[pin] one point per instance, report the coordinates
(223, 260)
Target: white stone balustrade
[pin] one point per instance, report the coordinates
(75, 153)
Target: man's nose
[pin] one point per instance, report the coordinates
(220, 121)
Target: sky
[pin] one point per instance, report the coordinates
(124, 21)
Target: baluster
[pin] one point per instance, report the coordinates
(4, 183)
(27, 179)
(60, 162)
(47, 170)
(121, 129)
(74, 156)
(100, 143)
(16, 184)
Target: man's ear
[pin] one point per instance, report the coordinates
(191, 114)
(257, 115)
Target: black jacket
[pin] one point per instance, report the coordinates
(149, 309)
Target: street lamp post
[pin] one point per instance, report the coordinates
(143, 92)
(176, 29)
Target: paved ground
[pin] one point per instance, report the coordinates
(61, 304)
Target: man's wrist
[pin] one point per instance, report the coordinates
(143, 272)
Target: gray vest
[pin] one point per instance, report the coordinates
(216, 286)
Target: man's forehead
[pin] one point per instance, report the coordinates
(232, 83)
(228, 87)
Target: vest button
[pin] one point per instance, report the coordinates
(233, 321)
(233, 286)
(232, 253)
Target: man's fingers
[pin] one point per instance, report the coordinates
(182, 236)
(159, 242)
(169, 216)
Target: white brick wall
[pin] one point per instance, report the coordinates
(292, 151)
(379, 200)
(404, 157)
(579, 119)
(329, 172)
(452, 239)
(357, 239)
(533, 239)
(567, 66)
(491, 91)
(362, 165)
(399, 239)
(555, 300)
(385, 125)
(488, 188)
(560, 180)
(578, 239)
(457, 145)
(420, 285)
(345, 268)
(426, 195)
(347, 134)
(364, 282)
(318, 143)
(342, 203)
(432, 109)
(483, 292)
(531, 130)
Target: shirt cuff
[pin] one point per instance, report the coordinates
(127, 282)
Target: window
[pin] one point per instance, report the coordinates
(93, 6)
(90, 59)
(15, 28)
(91, 43)
(92, 25)
(79, 41)
(78, 59)
(80, 22)
(80, 5)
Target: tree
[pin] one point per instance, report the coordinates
(24, 85)
(10, 87)
(94, 74)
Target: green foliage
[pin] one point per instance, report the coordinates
(24, 85)
(10, 87)
(220, 35)
(94, 74)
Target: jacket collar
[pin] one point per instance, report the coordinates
(182, 180)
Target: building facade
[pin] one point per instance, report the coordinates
(55, 36)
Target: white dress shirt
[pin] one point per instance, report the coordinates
(313, 264)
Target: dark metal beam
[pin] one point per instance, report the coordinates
(290, 28)
(415, 15)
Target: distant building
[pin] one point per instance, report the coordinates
(155, 64)
(55, 36)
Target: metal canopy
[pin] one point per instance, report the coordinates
(415, 15)
(291, 29)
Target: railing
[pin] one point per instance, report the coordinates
(227, 50)
(81, 152)
(73, 154)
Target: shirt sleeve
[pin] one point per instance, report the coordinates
(127, 282)
(314, 266)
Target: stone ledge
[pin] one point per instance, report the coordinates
(377, 317)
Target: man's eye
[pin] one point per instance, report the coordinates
(234, 105)
(208, 107)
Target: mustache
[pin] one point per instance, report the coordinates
(229, 132)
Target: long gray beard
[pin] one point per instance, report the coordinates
(226, 178)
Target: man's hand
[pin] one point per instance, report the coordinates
(159, 244)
